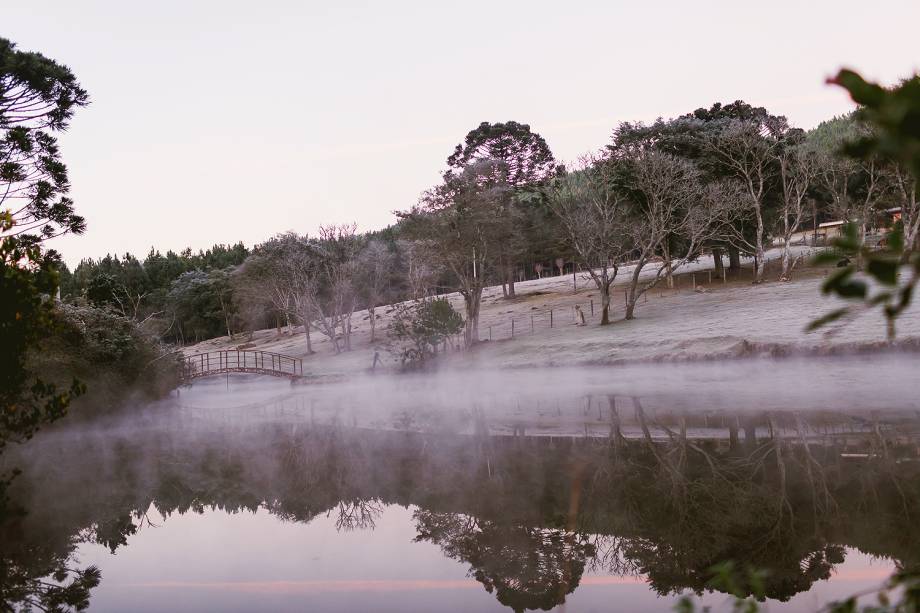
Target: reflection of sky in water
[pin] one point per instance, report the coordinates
(249, 562)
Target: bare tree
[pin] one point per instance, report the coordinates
(855, 186)
(669, 201)
(595, 221)
(307, 281)
(280, 274)
(302, 271)
(798, 170)
(421, 275)
(334, 306)
(262, 280)
(374, 270)
(905, 189)
(747, 153)
(129, 300)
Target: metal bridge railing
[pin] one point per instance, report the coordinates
(245, 361)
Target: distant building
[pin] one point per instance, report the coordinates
(829, 229)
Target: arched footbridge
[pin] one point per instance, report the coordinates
(201, 365)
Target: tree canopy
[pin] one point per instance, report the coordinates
(38, 97)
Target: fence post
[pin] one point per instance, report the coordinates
(709, 272)
(592, 307)
(490, 333)
(724, 276)
(531, 324)
(550, 318)
(693, 279)
(512, 327)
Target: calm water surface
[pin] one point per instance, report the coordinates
(253, 561)
(594, 503)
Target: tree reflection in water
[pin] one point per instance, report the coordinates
(664, 496)
(526, 567)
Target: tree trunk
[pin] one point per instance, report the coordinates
(373, 323)
(616, 433)
(910, 220)
(814, 223)
(759, 260)
(471, 302)
(632, 294)
(509, 275)
(911, 238)
(667, 265)
(750, 434)
(787, 260)
(734, 259)
(328, 328)
(605, 305)
(306, 330)
(862, 242)
(226, 316)
(346, 332)
(717, 260)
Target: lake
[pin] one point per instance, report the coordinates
(597, 501)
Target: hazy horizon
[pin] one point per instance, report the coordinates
(226, 122)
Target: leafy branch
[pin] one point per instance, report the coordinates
(883, 266)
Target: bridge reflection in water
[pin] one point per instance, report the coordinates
(240, 361)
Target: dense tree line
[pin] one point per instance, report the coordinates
(727, 180)
(178, 296)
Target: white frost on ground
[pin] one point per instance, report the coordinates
(727, 320)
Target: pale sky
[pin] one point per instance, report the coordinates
(224, 121)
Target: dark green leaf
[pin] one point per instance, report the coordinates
(827, 257)
(852, 289)
(826, 319)
(862, 92)
(880, 298)
(896, 239)
(835, 280)
(885, 271)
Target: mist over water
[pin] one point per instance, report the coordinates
(485, 489)
(556, 398)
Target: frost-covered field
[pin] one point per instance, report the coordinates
(730, 320)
